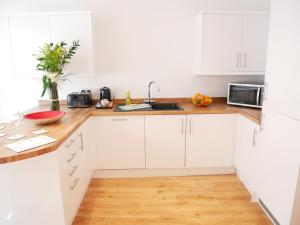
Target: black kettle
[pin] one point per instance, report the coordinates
(105, 93)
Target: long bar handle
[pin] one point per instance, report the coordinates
(74, 184)
(254, 138)
(73, 171)
(118, 120)
(72, 157)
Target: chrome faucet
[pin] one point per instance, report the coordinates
(149, 100)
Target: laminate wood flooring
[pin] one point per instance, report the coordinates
(194, 200)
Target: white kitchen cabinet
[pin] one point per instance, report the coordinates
(282, 92)
(221, 42)
(246, 152)
(27, 35)
(278, 163)
(254, 43)
(31, 192)
(165, 141)
(89, 142)
(29, 32)
(75, 173)
(120, 142)
(231, 43)
(210, 140)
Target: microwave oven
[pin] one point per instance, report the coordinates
(246, 94)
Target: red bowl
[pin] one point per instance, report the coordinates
(45, 117)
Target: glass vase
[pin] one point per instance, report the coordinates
(53, 97)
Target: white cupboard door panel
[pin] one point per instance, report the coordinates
(120, 142)
(27, 35)
(245, 152)
(89, 143)
(282, 75)
(70, 27)
(36, 191)
(255, 39)
(278, 162)
(221, 42)
(210, 140)
(165, 141)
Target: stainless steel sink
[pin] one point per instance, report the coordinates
(157, 107)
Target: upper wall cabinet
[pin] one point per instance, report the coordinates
(231, 43)
(29, 32)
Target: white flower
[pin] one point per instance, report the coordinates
(52, 76)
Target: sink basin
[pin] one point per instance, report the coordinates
(166, 106)
(157, 107)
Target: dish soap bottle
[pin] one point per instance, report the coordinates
(128, 98)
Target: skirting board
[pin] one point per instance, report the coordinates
(162, 172)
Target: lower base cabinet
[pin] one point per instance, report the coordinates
(53, 185)
(246, 152)
(31, 193)
(165, 141)
(120, 142)
(278, 160)
(210, 140)
(75, 171)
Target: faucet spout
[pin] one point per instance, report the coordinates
(149, 100)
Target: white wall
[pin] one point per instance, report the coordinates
(136, 41)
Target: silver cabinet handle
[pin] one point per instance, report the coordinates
(73, 171)
(266, 88)
(118, 120)
(182, 125)
(262, 120)
(74, 184)
(81, 142)
(71, 142)
(245, 60)
(190, 128)
(72, 157)
(254, 138)
(238, 56)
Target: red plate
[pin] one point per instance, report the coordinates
(45, 117)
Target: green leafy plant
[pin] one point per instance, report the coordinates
(52, 60)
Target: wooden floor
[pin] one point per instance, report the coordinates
(198, 200)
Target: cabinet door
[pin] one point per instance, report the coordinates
(70, 27)
(89, 142)
(165, 141)
(210, 140)
(254, 44)
(27, 35)
(278, 164)
(245, 152)
(282, 75)
(120, 142)
(221, 43)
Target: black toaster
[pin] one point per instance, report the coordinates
(81, 99)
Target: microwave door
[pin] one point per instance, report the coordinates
(244, 95)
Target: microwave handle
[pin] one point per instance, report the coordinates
(258, 96)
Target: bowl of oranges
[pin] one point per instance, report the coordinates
(201, 100)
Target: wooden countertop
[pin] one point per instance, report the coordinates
(75, 117)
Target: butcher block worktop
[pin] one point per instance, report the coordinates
(75, 117)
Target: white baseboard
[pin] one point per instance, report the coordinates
(162, 172)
